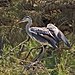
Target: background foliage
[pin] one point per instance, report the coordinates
(14, 45)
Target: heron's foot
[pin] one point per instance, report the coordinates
(30, 65)
(35, 60)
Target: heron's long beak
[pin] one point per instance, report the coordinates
(20, 22)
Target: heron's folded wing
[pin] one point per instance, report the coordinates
(63, 38)
(49, 39)
(58, 34)
(43, 31)
(54, 32)
(37, 37)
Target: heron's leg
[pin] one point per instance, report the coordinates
(30, 52)
(40, 55)
(34, 48)
(36, 59)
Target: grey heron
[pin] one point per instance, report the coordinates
(49, 35)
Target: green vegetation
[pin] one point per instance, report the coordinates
(14, 43)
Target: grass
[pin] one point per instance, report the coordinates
(13, 62)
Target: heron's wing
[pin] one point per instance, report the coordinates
(49, 39)
(44, 34)
(54, 31)
(43, 31)
(58, 34)
(39, 30)
(63, 38)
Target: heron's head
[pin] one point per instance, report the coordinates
(26, 19)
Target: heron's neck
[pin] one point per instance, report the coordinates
(28, 26)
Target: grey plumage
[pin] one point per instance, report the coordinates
(49, 35)
(45, 34)
(58, 34)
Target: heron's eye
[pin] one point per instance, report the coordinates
(27, 17)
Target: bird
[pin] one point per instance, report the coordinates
(49, 35)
